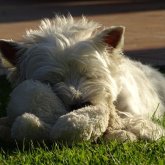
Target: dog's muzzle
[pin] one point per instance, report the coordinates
(65, 92)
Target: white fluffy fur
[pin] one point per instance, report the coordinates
(66, 63)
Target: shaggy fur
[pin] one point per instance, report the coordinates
(72, 83)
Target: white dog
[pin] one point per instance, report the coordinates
(73, 83)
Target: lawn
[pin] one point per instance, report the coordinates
(113, 152)
(87, 153)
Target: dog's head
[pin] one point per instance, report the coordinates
(73, 57)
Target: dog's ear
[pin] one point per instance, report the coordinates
(113, 37)
(9, 50)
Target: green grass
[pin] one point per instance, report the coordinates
(88, 153)
(134, 153)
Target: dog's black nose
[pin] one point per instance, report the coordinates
(76, 106)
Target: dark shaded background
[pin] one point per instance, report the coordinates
(144, 21)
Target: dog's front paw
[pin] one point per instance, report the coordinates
(29, 126)
(83, 124)
(37, 98)
(71, 128)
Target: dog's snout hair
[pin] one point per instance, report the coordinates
(69, 95)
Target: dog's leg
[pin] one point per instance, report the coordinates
(137, 127)
(116, 131)
(36, 98)
(144, 128)
(133, 128)
(29, 126)
(87, 123)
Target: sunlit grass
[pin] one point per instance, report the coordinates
(88, 153)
